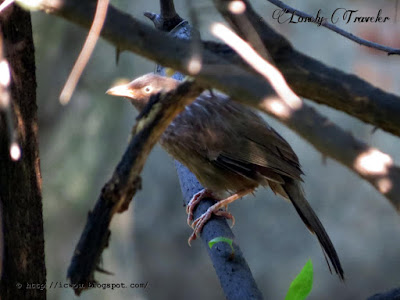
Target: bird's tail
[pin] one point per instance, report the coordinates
(310, 219)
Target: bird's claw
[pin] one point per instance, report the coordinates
(227, 215)
(194, 201)
(199, 223)
(216, 209)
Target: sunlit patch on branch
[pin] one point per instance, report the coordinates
(15, 151)
(4, 73)
(373, 162)
(5, 4)
(4, 101)
(4, 83)
(237, 7)
(384, 185)
(258, 63)
(5, 80)
(277, 107)
(194, 65)
(30, 4)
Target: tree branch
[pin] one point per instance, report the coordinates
(22, 240)
(323, 134)
(316, 81)
(129, 34)
(126, 33)
(390, 295)
(118, 191)
(231, 267)
(308, 77)
(168, 19)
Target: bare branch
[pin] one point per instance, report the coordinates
(168, 19)
(129, 34)
(336, 29)
(390, 295)
(22, 240)
(308, 77)
(86, 51)
(369, 163)
(316, 81)
(232, 270)
(167, 9)
(119, 190)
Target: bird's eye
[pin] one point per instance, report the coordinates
(147, 89)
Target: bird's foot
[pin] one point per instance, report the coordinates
(199, 223)
(196, 200)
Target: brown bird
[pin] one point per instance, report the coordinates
(231, 150)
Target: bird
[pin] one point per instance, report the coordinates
(232, 151)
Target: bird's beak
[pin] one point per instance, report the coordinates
(121, 91)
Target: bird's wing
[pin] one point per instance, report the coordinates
(234, 137)
(263, 153)
(255, 144)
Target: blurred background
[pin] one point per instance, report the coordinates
(81, 143)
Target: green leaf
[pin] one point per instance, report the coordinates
(301, 286)
(221, 239)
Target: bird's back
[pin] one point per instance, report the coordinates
(215, 136)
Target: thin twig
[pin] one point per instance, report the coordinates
(336, 29)
(86, 52)
(316, 81)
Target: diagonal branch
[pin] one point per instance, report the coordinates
(316, 81)
(308, 77)
(393, 294)
(129, 34)
(230, 266)
(369, 163)
(117, 193)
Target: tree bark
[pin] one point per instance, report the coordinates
(24, 273)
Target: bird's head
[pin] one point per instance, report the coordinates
(141, 89)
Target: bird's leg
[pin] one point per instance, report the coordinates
(215, 209)
(204, 193)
